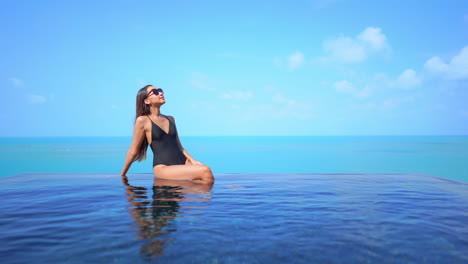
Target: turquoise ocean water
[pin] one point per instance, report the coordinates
(442, 156)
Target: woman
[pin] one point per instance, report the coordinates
(171, 161)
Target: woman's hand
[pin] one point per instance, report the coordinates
(124, 180)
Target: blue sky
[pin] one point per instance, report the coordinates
(73, 68)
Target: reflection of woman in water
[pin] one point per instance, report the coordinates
(155, 217)
(171, 160)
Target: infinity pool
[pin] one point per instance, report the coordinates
(242, 218)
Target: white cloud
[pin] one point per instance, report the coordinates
(201, 81)
(295, 60)
(237, 95)
(286, 107)
(358, 49)
(456, 69)
(348, 88)
(373, 38)
(16, 82)
(345, 50)
(31, 98)
(292, 62)
(408, 79)
(36, 99)
(435, 64)
(344, 87)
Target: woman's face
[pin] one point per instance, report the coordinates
(156, 96)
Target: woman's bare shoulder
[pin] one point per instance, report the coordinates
(142, 121)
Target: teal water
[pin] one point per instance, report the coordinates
(441, 156)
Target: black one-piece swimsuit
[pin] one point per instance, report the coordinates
(164, 145)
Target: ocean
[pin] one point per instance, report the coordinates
(275, 200)
(441, 156)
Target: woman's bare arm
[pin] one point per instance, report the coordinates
(138, 136)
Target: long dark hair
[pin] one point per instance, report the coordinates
(142, 109)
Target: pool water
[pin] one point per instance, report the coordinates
(242, 218)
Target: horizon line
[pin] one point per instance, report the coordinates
(322, 135)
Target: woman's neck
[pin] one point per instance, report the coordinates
(155, 111)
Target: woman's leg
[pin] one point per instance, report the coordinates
(187, 187)
(195, 173)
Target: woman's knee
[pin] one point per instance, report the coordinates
(207, 175)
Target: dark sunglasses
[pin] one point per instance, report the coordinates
(155, 92)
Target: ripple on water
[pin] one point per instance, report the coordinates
(296, 218)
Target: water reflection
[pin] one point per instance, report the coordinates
(155, 216)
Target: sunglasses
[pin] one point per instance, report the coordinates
(155, 92)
